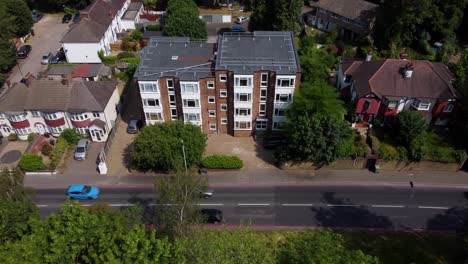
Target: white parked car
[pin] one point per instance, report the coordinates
(242, 19)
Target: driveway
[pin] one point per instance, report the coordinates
(87, 167)
(48, 33)
(252, 154)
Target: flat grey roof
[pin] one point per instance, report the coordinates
(175, 57)
(130, 15)
(260, 50)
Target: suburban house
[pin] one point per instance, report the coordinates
(352, 18)
(386, 87)
(45, 106)
(241, 86)
(85, 72)
(97, 28)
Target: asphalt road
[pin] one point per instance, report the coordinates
(308, 206)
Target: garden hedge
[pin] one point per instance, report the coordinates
(31, 162)
(222, 162)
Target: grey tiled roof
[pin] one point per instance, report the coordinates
(47, 95)
(178, 57)
(60, 70)
(260, 50)
(354, 9)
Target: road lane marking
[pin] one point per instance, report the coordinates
(297, 204)
(42, 205)
(258, 204)
(219, 204)
(342, 205)
(433, 207)
(119, 205)
(387, 206)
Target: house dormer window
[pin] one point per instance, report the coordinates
(392, 104)
(79, 117)
(347, 79)
(17, 118)
(51, 116)
(424, 106)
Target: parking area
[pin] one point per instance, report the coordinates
(252, 154)
(47, 35)
(83, 168)
(11, 152)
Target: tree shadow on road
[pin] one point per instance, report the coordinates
(348, 216)
(450, 220)
(147, 211)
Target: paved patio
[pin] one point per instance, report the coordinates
(11, 153)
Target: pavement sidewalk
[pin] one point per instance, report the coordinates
(271, 177)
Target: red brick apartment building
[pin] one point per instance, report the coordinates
(241, 86)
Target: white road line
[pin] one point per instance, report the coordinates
(342, 205)
(433, 207)
(220, 204)
(42, 205)
(242, 204)
(387, 206)
(86, 205)
(119, 205)
(297, 204)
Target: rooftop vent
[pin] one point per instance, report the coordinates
(174, 57)
(408, 71)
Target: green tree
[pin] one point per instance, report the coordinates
(320, 247)
(277, 15)
(159, 146)
(182, 20)
(16, 217)
(317, 138)
(71, 136)
(21, 15)
(411, 125)
(7, 48)
(182, 191)
(315, 63)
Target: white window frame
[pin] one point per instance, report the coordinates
(170, 88)
(188, 117)
(261, 124)
(389, 106)
(276, 125)
(211, 99)
(212, 126)
(23, 131)
(223, 78)
(56, 130)
(82, 130)
(243, 112)
(210, 85)
(224, 107)
(223, 93)
(96, 114)
(212, 113)
(278, 112)
(224, 120)
(260, 111)
(238, 81)
(238, 96)
(264, 83)
(146, 100)
(279, 96)
(79, 117)
(173, 116)
(149, 116)
(172, 102)
(280, 82)
(35, 113)
(52, 116)
(197, 103)
(247, 123)
(448, 108)
(424, 106)
(144, 88)
(184, 88)
(263, 98)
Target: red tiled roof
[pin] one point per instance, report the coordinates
(81, 70)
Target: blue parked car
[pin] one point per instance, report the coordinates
(83, 192)
(238, 29)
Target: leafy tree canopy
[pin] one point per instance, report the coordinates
(182, 20)
(277, 15)
(411, 125)
(21, 16)
(159, 146)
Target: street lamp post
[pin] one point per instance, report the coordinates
(183, 153)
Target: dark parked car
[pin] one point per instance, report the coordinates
(66, 18)
(212, 216)
(60, 56)
(133, 127)
(23, 51)
(238, 29)
(273, 142)
(36, 16)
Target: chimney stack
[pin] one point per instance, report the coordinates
(67, 79)
(408, 71)
(369, 56)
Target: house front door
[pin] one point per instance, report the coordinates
(40, 128)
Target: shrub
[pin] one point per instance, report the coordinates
(375, 145)
(460, 155)
(439, 154)
(402, 153)
(136, 35)
(31, 162)
(57, 152)
(126, 54)
(388, 152)
(31, 136)
(126, 45)
(12, 137)
(417, 149)
(361, 148)
(71, 136)
(222, 162)
(107, 60)
(46, 148)
(153, 28)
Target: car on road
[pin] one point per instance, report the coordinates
(83, 192)
(60, 56)
(207, 193)
(36, 16)
(81, 150)
(274, 142)
(212, 216)
(238, 29)
(46, 58)
(242, 20)
(23, 51)
(133, 127)
(66, 18)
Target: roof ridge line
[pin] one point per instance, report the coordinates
(449, 86)
(375, 73)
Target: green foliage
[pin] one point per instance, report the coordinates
(182, 190)
(444, 53)
(411, 125)
(131, 61)
(57, 152)
(361, 148)
(12, 137)
(31, 162)
(159, 146)
(126, 54)
(71, 136)
(153, 27)
(182, 20)
(316, 63)
(222, 162)
(16, 217)
(276, 15)
(31, 136)
(107, 60)
(460, 155)
(375, 145)
(388, 152)
(46, 148)
(315, 138)
(320, 247)
(126, 45)
(136, 35)
(7, 48)
(22, 20)
(417, 149)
